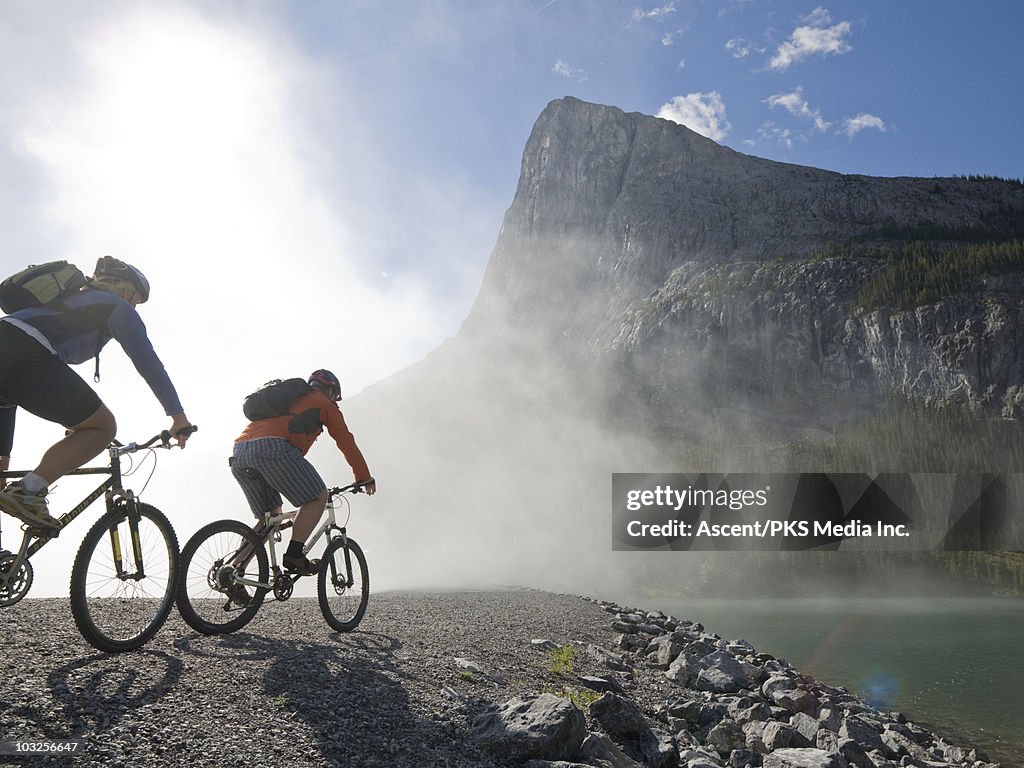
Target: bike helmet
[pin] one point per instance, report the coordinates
(108, 266)
(326, 382)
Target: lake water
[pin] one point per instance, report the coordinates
(956, 665)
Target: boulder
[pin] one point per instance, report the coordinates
(545, 727)
(803, 758)
(722, 674)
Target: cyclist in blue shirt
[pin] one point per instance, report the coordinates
(38, 345)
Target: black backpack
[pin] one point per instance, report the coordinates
(39, 285)
(274, 398)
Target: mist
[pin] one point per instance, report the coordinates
(208, 151)
(281, 235)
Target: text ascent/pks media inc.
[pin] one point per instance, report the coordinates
(692, 499)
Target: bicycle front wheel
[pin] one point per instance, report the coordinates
(122, 589)
(343, 585)
(211, 598)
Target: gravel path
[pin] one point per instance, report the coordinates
(286, 690)
(402, 691)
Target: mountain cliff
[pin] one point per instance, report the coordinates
(658, 303)
(634, 238)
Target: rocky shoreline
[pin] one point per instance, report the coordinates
(735, 708)
(456, 679)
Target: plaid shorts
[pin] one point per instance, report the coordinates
(283, 469)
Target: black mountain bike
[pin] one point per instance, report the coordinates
(228, 554)
(126, 569)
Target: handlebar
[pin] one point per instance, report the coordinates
(164, 438)
(351, 488)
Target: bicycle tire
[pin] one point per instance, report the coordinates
(116, 614)
(342, 606)
(202, 605)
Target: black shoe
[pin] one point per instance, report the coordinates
(300, 565)
(238, 595)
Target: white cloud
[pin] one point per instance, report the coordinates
(657, 14)
(851, 126)
(700, 112)
(815, 37)
(795, 104)
(565, 70)
(772, 133)
(819, 17)
(669, 38)
(739, 48)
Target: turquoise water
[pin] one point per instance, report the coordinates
(956, 665)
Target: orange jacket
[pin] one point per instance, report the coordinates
(330, 416)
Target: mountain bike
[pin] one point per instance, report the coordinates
(124, 575)
(227, 554)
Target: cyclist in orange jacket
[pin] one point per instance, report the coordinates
(276, 449)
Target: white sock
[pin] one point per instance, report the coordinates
(34, 483)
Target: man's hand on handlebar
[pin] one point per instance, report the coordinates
(369, 487)
(181, 428)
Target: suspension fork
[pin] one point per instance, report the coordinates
(348, 560)
(134, 515)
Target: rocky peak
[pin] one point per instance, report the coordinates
(609, 204)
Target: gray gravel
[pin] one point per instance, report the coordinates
(286, 690)
(403, 690)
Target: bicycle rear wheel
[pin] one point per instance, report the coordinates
(116, 604)
(209, 573)
(343, 591)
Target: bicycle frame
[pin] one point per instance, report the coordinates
(276, 523)
(114, 491)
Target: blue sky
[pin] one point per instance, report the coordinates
(320, 184)
(936, 83)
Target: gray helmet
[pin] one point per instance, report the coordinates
(108, 266)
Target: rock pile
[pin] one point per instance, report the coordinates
(729, 707)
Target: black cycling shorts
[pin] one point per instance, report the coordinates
(37, 380)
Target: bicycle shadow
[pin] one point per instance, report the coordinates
(348, 694)
(87, 698)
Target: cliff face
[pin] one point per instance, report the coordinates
(658, 303)
(635, 241)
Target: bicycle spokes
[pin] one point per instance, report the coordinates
(224, 579)
(117, 599)
(343, 584)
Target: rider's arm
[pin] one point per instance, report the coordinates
(338, 429)
(127, 327)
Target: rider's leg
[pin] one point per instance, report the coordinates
(306, 520)
(85, 441)
(245, 554)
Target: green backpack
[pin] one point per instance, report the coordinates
(40, 284)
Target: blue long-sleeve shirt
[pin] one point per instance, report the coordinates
(81, 324)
